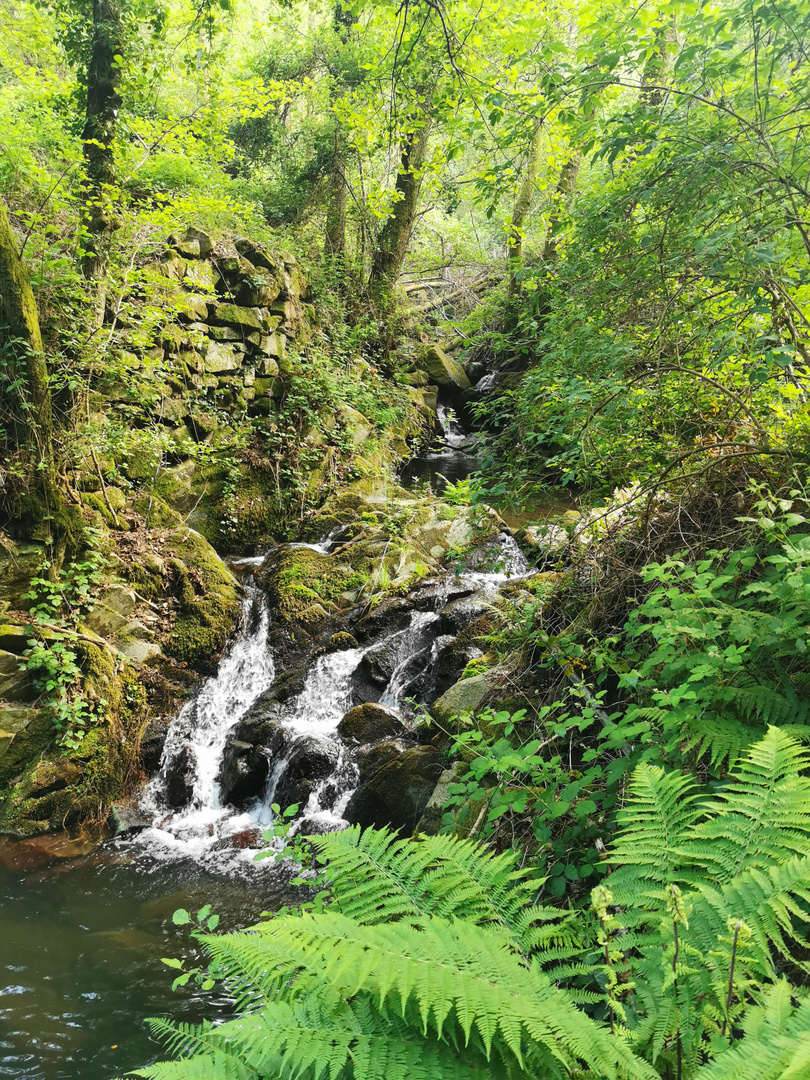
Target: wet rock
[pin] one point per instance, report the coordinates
(151, 746)
(372, 758)
(443, 370)
(247, 838)
(451, 660)
(463, 697)
(459, 613)
(310, 761)
(313, 826)
(243, 772)
(397, 794)
(370, 722)
(125, 818)
(373, 673)
(341, 641)
(179, 783)
(388, 617)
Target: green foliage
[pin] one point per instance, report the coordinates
(58, 605)
(716, 650)
(432, 955)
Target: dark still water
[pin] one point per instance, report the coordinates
(80, 948)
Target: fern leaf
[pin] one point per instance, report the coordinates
(376, 877)
(776, 1043)
(762, 816)
(659, 811)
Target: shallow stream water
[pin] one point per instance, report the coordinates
(81, 939)
(80, 948)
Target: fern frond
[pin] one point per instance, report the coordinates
(721, 739)
(660, 809)
(775, 1046)
(761, 817)
(772, 902)
(456, 976)
(286, 1040)
(376, 877)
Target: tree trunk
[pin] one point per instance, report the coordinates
(335, 233)
(523, 203)
(20, 311)
(31, 389)
(657, 68)
(103, 100)
(565, 189)
(392, 245)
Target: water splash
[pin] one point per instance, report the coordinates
(198, 737)
(416, 643)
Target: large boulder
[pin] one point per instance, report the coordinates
(397, 794)
(310, 761)
(465, 696)
(372, 758)
(179, 779)
(369, 723)
(443, 369)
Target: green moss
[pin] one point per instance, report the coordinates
(156, 511)
(67, 789)
(306, 585)
(207, 593)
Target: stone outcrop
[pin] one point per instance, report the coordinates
(369, 723)
(398, 792)
(443, 369)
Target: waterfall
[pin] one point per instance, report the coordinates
(311, 766)
(403, 673)
(452, 433)
(198, 735)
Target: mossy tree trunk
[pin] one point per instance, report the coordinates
(566, 186)
(523, 204)
(29, 370)
(335, 232)
(395, 236)
(103, 100)
(336, 213)
(28, 383)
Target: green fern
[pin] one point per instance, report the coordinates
(775, 1043)
(432, 960)
(375, 877)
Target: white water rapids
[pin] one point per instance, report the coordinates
(183, 801)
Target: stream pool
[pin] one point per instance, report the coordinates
(80, 947)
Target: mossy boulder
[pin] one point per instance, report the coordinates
(306, 586)
(464, 696)
(52, 788)
(443, 370)
(397, 794)
(207, 593)
(369, 723)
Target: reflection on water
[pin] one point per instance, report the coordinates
(80, 949)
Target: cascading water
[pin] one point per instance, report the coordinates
(403, 673)
(196, 740)
(189, 816)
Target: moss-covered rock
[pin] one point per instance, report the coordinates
(397, 794)
(370, 722)
(207, 593)
(61, 788)
(305, 586)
